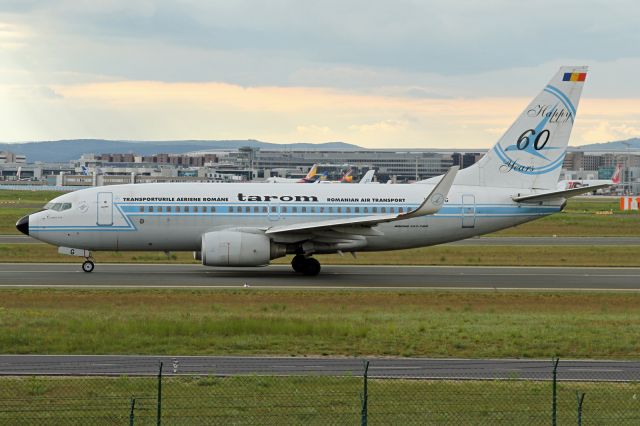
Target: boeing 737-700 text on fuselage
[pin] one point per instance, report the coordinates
(230, 224)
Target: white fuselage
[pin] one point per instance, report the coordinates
(174, 216)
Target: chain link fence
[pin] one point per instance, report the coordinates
(238, 391)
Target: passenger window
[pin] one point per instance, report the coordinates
(330, 209)
(150, 209)
(177, 209)
(374, 209)
(247, 209)
(141, 209)
(313, 209)
(400, 210)
(283, 209)
(168, 209)
(304, 210)
(357, 209)
(294, 209)
(366, 209)
(273, 209)
(339, 209)
(212, 209)
(383, 209)
(256, 209)
(321, 209)
(264, 209)
(348, 209)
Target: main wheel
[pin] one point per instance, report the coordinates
(88, 266)
(298, 263)
(311, 267)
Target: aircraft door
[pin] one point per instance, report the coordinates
(105, 209)
(468, 211)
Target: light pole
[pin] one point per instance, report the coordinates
(626, 184)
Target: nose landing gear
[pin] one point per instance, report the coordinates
(305, 265)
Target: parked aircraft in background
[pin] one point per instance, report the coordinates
(311, 177)
(249, 224)
(368, 177)
(580, 183)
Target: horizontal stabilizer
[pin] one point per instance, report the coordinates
(554, 195)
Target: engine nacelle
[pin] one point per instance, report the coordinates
(234, 248)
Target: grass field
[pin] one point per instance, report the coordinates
(437, 255)
(309, 400)
(392, 323)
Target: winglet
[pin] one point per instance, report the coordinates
(436, 197)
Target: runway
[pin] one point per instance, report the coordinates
(418, 368)
(331, 277)
(477, 241)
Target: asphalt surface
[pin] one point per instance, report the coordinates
(422, 368)
(332, 276)
(477, 241)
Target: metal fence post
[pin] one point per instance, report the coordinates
(133, 406)
(159, 413)
(554, 406)
(363, 417)
(580, 399)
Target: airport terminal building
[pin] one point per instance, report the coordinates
(244, 164)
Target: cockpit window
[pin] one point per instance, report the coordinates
(58, 207)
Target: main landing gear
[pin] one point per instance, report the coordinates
(88, 266)
(305, 265)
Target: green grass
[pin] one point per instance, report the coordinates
(254, 322)
(309, 400)
(28, 197)
(437, 255)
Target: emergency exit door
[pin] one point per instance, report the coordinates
(468, 211)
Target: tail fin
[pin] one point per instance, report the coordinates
(530, 154)
(310, 175)
(617, 174)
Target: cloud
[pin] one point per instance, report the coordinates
(13, 37)
(158, 110)
(381, 126)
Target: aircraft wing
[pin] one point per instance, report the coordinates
(565, 193)
(431, 205)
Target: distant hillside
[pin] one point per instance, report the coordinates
(66, 150)
(629, 144)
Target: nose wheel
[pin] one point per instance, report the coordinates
(88, 266)
(305, 265)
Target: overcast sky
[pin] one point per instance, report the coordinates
(429, 74)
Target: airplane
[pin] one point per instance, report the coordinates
(309, 178)
(249, 224)
(579, 183)
(346, 178)
(368, 177)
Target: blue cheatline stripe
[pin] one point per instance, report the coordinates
(565, 100)
(486, 211)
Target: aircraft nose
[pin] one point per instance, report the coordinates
(23, 225)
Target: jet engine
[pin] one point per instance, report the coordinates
(235, 248)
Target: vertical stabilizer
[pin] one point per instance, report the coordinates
(530, 154)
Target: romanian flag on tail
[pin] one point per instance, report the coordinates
(574, 76)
